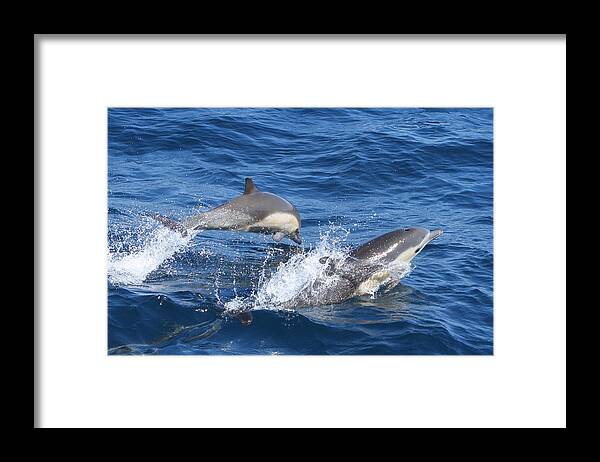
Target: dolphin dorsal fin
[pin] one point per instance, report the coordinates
(249, 188)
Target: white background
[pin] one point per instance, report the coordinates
(522, 384)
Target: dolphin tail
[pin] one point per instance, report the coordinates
(171, 224)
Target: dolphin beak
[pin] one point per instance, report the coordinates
(295, 237)
(430, 237)
(433, 234)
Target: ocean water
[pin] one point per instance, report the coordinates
(353, 174)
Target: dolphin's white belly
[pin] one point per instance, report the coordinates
(278, 220)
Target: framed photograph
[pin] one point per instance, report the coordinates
(306, 221)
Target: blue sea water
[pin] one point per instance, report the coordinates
(353, 174)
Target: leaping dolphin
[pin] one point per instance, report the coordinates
(254, 211)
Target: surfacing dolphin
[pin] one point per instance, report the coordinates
(377, 263)
(365, 269)
(254, 211)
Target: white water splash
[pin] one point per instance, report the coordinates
(133, 267)
(297, 273)
(291, 276)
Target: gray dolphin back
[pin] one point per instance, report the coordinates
(242, 211)
(388, 246)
